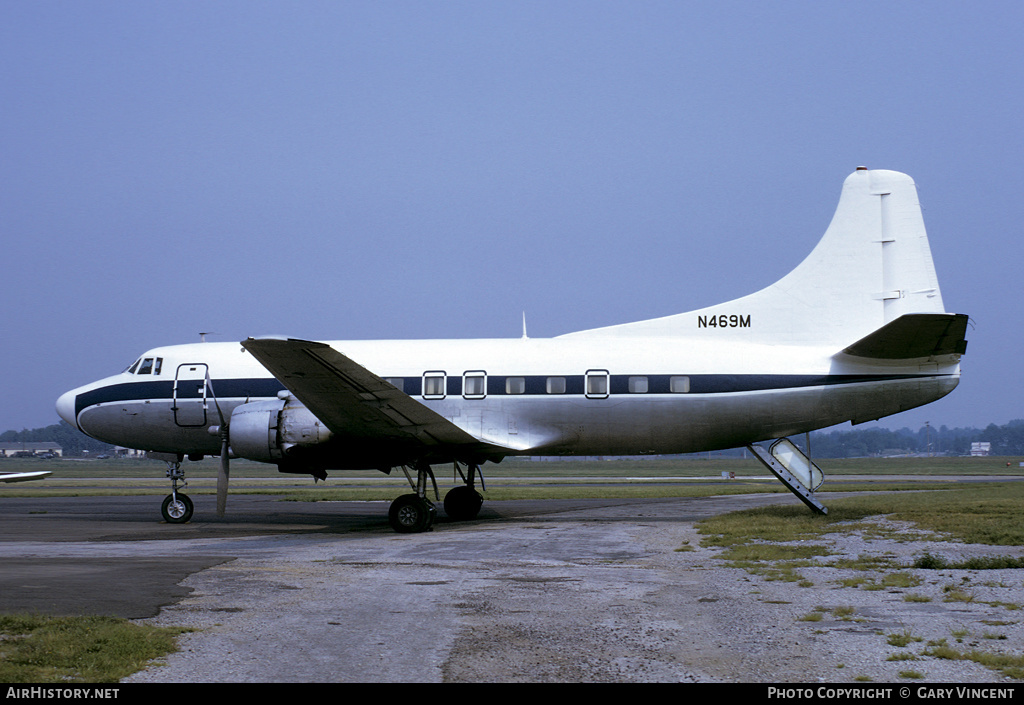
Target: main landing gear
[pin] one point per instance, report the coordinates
(463, 503)
(414, 513)
(177, 507)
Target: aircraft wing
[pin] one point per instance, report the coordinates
(352, 401)
(23, 476)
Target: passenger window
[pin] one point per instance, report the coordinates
(474, 385)
(679, 385)
(147, 366)
(515, 385)
(597, 383)
(433, 385)
(637, 385)
(556, 385)
(397, 382)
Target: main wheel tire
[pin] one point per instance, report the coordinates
(411, 514)
(177, 508)
(462, 503)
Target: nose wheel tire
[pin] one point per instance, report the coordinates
(410, 514)
(177, 508)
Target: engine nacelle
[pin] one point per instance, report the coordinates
(267, 430)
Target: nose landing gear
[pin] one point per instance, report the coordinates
(177, 507)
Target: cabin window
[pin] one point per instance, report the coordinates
(556, 385)
(597, 384)
(515, 385)
(397, 382)
(433, 385)
(474, 385)
(637, 385)
(679, 385)
(147, 366)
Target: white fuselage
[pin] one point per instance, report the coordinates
(556, 396)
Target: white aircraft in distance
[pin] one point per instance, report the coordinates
(23, 476)
(856, 332)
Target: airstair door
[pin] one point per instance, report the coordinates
(190, 395)
(794, 469)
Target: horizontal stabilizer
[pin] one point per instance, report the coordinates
(915, 335)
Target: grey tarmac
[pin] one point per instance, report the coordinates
(548, 591)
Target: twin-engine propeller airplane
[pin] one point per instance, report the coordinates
(856, 332)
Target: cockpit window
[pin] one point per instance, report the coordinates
(147, 366)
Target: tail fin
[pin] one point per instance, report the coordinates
(872, 266)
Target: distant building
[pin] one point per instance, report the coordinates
(980, 449)
(20, 449)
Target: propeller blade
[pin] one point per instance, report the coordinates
(223, 474)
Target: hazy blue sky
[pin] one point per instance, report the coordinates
(420, 169)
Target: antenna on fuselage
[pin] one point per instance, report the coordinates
(525, 337)
(202, 336)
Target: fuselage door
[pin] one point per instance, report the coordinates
(190, 395)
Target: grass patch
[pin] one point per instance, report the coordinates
(953, 593)
(985, 514)
(770, 541)
(844, 613)
(1009, 665)
(41, 649)
(914, 597)
(901, 639)
(759, 552)
(928, 561)
(856, 582)
(900, 580)
(867, 563)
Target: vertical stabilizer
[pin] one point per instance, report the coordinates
(872, 266)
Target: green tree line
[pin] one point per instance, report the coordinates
(942, 440)
(72, 441)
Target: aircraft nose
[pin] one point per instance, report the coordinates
(66, 407)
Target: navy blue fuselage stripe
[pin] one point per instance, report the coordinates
(496, 386)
